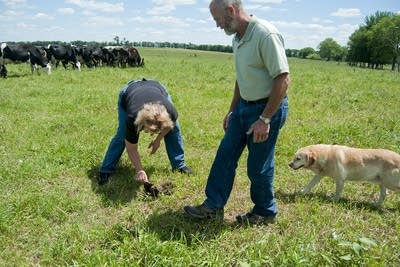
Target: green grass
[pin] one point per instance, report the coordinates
(55, 129)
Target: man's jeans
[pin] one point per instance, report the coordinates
(260, 161)
(173, 143)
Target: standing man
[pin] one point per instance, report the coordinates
(144, 105)
(257, 112)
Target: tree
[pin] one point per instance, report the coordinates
(375, 43)
(330, 49)
(305, 52)
(116, 39)
(385, 39)
(372, 20)
(358, 46)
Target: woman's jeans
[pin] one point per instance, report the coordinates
(173, 143)
(260, 161)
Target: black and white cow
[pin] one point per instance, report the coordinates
(3, 71)
(92, 56)
(134, 58)
(65, 54)
(24, 53)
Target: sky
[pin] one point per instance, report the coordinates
(303, 23)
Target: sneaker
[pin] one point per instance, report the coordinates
(103, 178)
(185, 170)
(254, 219)
(203, 212)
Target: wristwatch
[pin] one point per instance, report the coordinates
(264, 119)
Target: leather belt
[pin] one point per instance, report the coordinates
(258, 101)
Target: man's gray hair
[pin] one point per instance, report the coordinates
(225, 3)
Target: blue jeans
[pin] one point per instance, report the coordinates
(260, 161)
(173, 143)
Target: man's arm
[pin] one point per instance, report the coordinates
(278, 92)
(259, 129)
(234, 101)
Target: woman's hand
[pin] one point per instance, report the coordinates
(154, 145)
(141, 177)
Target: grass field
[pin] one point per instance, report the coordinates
(54, 131)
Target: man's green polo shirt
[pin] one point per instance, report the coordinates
(259, 58)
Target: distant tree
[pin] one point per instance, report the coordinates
(116, 39)
(292, 52)
(385, 41)
(375, 43)
(358, 51)
(314, 56)
(305, 52)
(374, 19)
(330, 49)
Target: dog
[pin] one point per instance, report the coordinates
(343, 163)
(3, 71)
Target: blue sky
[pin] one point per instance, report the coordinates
(303, 23)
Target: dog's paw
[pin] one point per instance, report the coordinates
(303, 191)
(335, 198)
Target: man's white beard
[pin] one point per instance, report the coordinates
(228, 32)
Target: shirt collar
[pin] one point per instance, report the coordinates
(249, 30)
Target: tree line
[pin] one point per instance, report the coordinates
(372, 45)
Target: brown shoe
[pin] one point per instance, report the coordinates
(203, 212)
(184, 170)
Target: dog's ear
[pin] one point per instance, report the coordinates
(311, 158)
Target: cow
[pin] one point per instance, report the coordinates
(134, 58)
(3, 71)
(121, 56)
(108, 56)
(24, 53)
(92, 55)
(65, 54)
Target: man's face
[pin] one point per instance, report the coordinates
(224, 19)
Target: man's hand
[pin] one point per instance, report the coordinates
(260, 131)
(226, 121)
(141, 177)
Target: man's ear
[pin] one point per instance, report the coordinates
(231, 9)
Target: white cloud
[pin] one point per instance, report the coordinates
(43, 16)
(10, 15)
(258, 7)
(204, 10)
(302, 26)
(167, 6)
(174, 2)
(98, 20)
(267, 1)
(327, 21)
(25, 26)
(159, 10)
(66, 10)
(160, 20)
(14, 3)
(98, 6)
(347, 13)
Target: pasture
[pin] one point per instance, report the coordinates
(54, 130)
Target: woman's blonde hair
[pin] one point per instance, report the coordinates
(155, 117)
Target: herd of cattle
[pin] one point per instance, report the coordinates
(91, 56)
